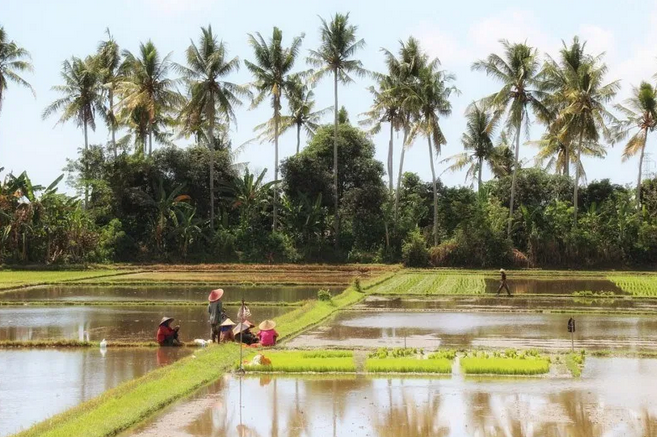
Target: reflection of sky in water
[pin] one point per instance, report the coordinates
(454, 406)
(37, 384)
(118, 323)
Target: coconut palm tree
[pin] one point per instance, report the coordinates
(640, 113)
(81, 100)
(301, 104)
(518, 69)
(429, 102)
(335, 55)
(147, 86)
(271, 72)
(478, 143)
(585, 115)
(212, 98)
(108, 64)
(555, 154)
(13, 61)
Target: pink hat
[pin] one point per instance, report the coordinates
(215, 295)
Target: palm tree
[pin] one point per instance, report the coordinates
(518, 70)
(82, 98)
(13, 60)
(640, 113)
(478, 143)
(211, 97)
(271, 71)
(108, 63)
(554, 154)
(301, 104)
(249, 194)
(430, 101)
(335, 55)
(147, 86)
(585, 115)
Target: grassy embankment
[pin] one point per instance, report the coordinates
(12, 279)
(134, 401)
(510, 362)
(304, 362)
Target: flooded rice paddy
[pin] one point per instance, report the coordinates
(37, 384)
(614, 397)
(113, 323)
(554, 286)
(460, 329)
(86, 293)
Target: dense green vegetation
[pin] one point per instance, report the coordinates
(329, 202)
(508, 363)
(298, 362)
(640, 286)
(432, 283)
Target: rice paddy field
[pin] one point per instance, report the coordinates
(379, 326)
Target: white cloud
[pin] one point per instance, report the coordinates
(514, 25)
(441, 45)
(179, 6)
(598, 40)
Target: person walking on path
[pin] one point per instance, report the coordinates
(503, 283)
(215, 308)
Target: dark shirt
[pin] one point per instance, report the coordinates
(214, 308)
(504, 276)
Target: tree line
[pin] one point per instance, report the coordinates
(328, 202)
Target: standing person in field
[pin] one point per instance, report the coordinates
(215, 308)
(503, 283)
(267, 333)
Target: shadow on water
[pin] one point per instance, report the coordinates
(37, 384)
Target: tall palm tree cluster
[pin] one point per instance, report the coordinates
(137, 93)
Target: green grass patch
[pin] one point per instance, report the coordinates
(638, 286)
(302, 362)
(431, 284)
(408, 365)
(575, 363)
(510, 362)
(130, 403)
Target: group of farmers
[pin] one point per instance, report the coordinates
(221, 327)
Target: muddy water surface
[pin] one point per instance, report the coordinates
(37, 384)
(602, 402)
(155, 293)
(118, 323)
(460, 329)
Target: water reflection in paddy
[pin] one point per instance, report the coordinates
(80, 293)
(459, 329)
(37, 384)
(118, 323)
(554, 285)
(602, 402)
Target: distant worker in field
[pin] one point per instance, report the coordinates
(503, 283)
(267, 333)
(166, 335)
(215, 309)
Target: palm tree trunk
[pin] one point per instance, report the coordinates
(111, 102)
(298, 137)
(435, 194)
(150, 141)
(578, 165)
(276, 115)
(566, 170)
(399, 177)
(211, 161)
(335, 158)
(390, 158)
(86, 169)
(638, 182)
(481, 164)
(513, 178)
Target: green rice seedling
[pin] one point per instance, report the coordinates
(639, 286)
(324, 295)
(408, 365)
(504, 366)
(302, 362)
(447, 354)
(575, 363)
(602, 353)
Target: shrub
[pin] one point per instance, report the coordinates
(414, 250)
(324, 295)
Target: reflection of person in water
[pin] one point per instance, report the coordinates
(162, 357)
(503, 283)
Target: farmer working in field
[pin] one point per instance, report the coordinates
(215, 309)
(503, 283)
(166, 335)
(268, 334)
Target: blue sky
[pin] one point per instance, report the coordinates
(456, 32)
